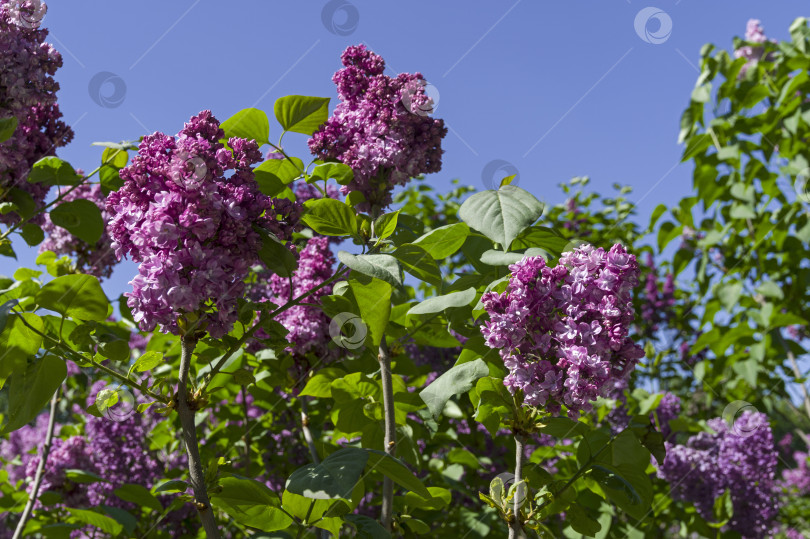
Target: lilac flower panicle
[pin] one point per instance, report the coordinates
(754, 33)
(668, 409)
(98, 259)
(307, 326)
(374, 132)
(190, 227)
(563, 332)
(27, 93)
(797, 480)
(713, 462)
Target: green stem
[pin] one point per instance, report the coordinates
(390, 437)
(189, 432)
(515, 526)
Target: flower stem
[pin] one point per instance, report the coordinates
(515, 527)
(46, 449)
(390, 431)
(189, 432)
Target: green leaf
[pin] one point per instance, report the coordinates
(444, 241)
(102, 522)
(494, 257)
(250, 503)
(770, 289)
(18, 342)
(383, 267)
(76, 296)
(32, 234)
(274, 175)
(301, 113)
(320, 385)
(386, 224)
(22, 202)
(367, 527)
(81, 218)
(397, 472)
(30, 390)
(82, 476)
(7, 128)
(250, 124)
(147, 362)
(343, 174)
(439, 303)
(171, 486)
(139, 495)
(459, 379)
(53, 171)
(729, 294)
(503, 214)
(330, 217)
(581, 521)
(374, 301)
(275, 255)
(416, 261)
(335, 477)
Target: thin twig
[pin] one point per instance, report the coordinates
(46, 449)
(515, 526)
(390, 438)
(313, 451)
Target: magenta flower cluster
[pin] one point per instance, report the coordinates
(186, 213)
(27, 93)
(657, 303)
(754, 33)
(797, 480)
(98, 259)
(563, 331)
(307, 325)
(741, 459)
(381, 128)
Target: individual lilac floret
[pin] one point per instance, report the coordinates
(563, 332)
(98, 259)
(381, 128)
(186, 212)
(27, 93)
(308, 326)
(741, 459)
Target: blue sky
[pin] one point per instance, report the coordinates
(557, 89)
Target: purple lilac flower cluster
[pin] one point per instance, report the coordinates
(754, 33)
(797, 480)
(308, 326)
(97, 259)
(713, 462)
(27, 93)
(305, 191)
(656, 306)
(190, 226)
(668, 409)
(563, 332)
(379, 128)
